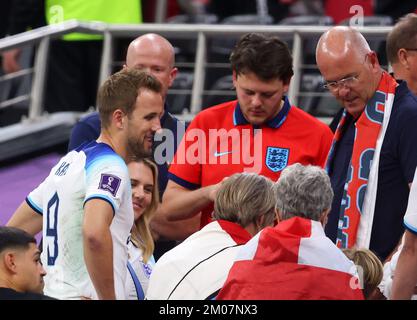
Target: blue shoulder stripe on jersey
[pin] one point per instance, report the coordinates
(139, 291)
(33, 206)
(98, 151)
(410, 228)
(101, 197)
(182, 182)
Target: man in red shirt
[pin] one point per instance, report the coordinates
(260, 132)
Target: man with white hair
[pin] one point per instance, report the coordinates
(294, 260)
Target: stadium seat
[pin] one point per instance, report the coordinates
(179, 100)
(219, 48)
(318, 106)
(377, 43)
(221, 91)
(198, 18)
(185, 48)
(307, 21)
(223, 46)
(376, 20)
(309, 45)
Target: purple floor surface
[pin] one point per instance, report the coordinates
(19, 179)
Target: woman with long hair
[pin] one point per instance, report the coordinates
(145, 199)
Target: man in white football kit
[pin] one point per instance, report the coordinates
(96, 172)
(84, 207)
(404, 283)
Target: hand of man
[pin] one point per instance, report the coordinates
(215, 188)
(11, 60)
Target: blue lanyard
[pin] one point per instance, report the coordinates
(138, 287)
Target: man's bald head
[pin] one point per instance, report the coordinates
(151, 41)
(154, 54)
(341, 41)
(349, 67)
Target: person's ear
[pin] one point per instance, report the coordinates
(172, 76)
(324, 217)
(260, 221)
(257, 225)
(277, 215)
(286, 86)
(234, 78)
(373, 60)
(119, 118)
(9, 259)
(402, 56)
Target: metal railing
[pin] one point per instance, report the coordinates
(41, 37)
(201, 33)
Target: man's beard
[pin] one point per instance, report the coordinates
(136, 149)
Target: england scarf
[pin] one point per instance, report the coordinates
(292, 261)
(358, 202)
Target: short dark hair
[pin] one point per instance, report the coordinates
(266, 56)
(121, 90)
(14, 238)
(404, 32)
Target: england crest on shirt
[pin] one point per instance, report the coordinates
(276, 159)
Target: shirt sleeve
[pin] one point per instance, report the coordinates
(186, 166)
(35, 198)
(410, 218)
(107, 178)
(407, 145)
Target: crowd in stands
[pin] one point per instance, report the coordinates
(254, 199)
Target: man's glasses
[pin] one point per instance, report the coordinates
(345, 82)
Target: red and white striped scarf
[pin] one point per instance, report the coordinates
(359, 195)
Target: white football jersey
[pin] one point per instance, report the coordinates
(197, 268)
(410, 217)
(94, 171)
(139, 272)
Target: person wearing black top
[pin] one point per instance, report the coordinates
(21, 271)
(354, 82)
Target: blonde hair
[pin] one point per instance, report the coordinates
(372, 268)
(243, 198)
(141, 232)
